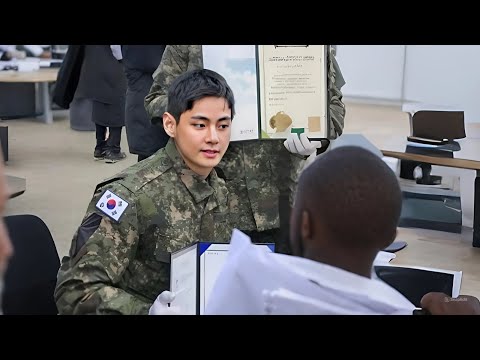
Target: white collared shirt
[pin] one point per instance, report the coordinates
(256, 282)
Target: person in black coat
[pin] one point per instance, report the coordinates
(140, 62)
(102, 80)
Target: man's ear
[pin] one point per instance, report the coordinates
(169, 124)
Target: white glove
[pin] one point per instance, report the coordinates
(160, 305)
(299, 144)
(117, 51)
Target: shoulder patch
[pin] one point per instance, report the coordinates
(112, 205)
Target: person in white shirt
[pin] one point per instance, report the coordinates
(346, 211)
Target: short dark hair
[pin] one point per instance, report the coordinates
(195, 85)
(354, 194)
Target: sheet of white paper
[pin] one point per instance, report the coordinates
(211, 262)
(183, 279)
(212, 259)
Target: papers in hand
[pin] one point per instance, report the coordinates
(194, 270)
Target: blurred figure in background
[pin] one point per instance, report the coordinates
(9, 52)
(103, 82)
(140, 62)
(40, 51)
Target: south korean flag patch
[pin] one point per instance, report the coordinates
(112, 205)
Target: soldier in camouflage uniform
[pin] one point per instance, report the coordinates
(119, 258)
(260, 175)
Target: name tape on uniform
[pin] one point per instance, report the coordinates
(112, 205)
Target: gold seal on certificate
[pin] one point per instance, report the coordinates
(293, 81)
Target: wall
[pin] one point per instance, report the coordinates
(372, 71)
(444, 75)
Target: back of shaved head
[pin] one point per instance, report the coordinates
(352, 197)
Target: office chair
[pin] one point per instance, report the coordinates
(59, 51)
(438, 125)
(438, 129)
(435, 125)
(31, 274)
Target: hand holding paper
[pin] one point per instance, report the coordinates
(437, 303)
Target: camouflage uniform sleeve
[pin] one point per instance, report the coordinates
(337, 107)
(102, 249)
(286, 167)
(296, 166)
(176, 60)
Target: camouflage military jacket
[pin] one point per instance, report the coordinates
(176, 60)
(120, 267)
(260, 171)
(255, 170)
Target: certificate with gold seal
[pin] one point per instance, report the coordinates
(278, 89)
(293, 94)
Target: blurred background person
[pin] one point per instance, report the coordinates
(102, 82)
(40, 51)
(10, 52)
(139, 63)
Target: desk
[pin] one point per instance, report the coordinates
(41, 78)
(394, 145)
(16, 185)
(442, 250)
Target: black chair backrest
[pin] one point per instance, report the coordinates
(31, 274)
(438, 124)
